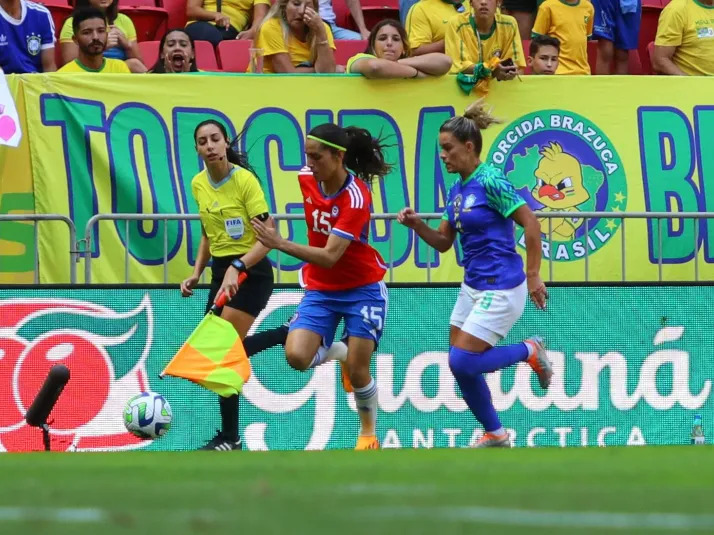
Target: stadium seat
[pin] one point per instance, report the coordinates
(344, 50)
(634, 65)
(648, 25)
(234, 55)
(177, 12)
(150, 22)
(59, 13)
(374, 14)
(592, 55)
(139, 3)
(647, 65)
(526, 44)
(206, 56)
(149, 52)
(343, 19)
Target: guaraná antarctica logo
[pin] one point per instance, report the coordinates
(561, 162)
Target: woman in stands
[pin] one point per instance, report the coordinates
(121, 38)
(295, 39)
(388, 56)
(219, 20)
(176, 53)
(228, 196)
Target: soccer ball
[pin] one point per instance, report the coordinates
(147, 415)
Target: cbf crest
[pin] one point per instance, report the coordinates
(34, 44)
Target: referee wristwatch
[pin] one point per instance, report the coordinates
(239, 265)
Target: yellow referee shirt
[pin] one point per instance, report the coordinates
(689, 26)
(226, 208)
(466, 47)
(427, 20)
(270, 39)
(572, 24)
(109, 66)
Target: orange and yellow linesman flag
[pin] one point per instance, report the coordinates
(213, 357)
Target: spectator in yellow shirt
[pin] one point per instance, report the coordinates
(543, 54)
(219, 20)
(486, 39)
(90, 34)
(121, 35)
(427, 21)
(388, 56)
(685, 39)
(295, 39)
(571, 22)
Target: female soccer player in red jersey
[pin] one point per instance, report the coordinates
(343, 274)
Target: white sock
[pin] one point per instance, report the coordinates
(366, 401)
(337, 351)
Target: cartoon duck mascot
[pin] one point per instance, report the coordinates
(559, 187)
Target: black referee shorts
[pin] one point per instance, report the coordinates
(253, 294)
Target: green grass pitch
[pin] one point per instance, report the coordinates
(400, 492)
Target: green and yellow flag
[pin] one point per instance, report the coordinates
(213, 357)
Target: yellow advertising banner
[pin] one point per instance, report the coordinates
(17, 244)
(124, 144)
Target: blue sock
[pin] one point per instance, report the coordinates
(478, 398)
(471, 363)
(468, 368)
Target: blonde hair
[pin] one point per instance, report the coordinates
(467, 127)
(278, 11)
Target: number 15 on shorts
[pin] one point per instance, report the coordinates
(373, 315)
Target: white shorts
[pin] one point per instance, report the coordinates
(489, 314)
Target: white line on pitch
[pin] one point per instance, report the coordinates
(60, 514)
(573, 519)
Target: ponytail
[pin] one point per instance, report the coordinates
(363, 154)
(233, 154)
(468, 126)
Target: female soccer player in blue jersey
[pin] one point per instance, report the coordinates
(481, 208)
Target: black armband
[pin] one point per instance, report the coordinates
(263, 217)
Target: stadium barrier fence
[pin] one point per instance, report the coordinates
(587, 220)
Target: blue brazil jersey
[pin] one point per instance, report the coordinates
(22, 41)
(479, 209)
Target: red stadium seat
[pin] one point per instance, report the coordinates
(177, 12)
(343, 19)
(49, 3)
(647, 65)
(206, 56)
(634, 65)
(393, 4)
(344, 50)
(234, 55)
(592, 55)
(526, 43)
(374, 14)
(60, 13)
(648, 26)
(139, 3)
(150, 22)
(149, 52)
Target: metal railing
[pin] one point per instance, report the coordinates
(35, 219)
(389, 219)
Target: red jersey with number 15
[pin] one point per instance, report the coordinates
(345, 214)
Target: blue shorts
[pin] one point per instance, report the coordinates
(610, 23)
(364, 310)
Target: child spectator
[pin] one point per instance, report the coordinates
(543, 54)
